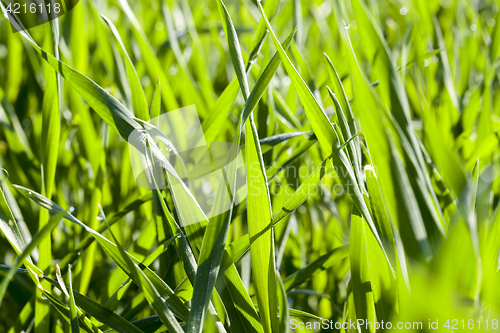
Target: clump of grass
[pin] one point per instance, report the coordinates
(370, 139)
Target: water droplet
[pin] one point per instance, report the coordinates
(2, 172)
(172, 70)
(79, 253)
(403, 11)
(71, 209)
(99, 218)
(346, 26)
(473, 27)
(11, 223)
(221, 33)
(159, 26)
(29, 192)
(43, 297)
(67, 115)
(426, 63)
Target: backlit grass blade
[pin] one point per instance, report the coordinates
(417, 60)
(388, 231)
(360, 270)
(152, 295)
(234, 48)
(353, 147)
(270, 8)
(112, 302)
(22, 258)
(139, 103)
(152, 63)
(176, 305)
(109, 108)
(252, 100)
(156, 103)
(222, 107)
(260, 224)
(9, 226)
(212, 247)
(263, 82)
(61, 308)
(394, 97)
(347, 114)
(113, 218)
(99, 312)
(75, 326)
(51, 124)
(410, 206)
(324, 131)
(283, 307)
(186, 252)
(302, 193)
(310, 270)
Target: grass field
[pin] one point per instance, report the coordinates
(368, 133)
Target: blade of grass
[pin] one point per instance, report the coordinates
(152, 294)
(35, 242)
(139, 103)
(260, 224)
(171, 299)
(325, 133)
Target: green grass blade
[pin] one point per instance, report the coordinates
(139, 103)
(270, 8)
(75, 326)
(9, 226)
(315, 267)
(360, 270)
(323, 129)
(283, 307)
(23, 257)
(152, 62)
(302, 193)
(260, 224)
(152, 294)
(234, 48)
(174, 302)
(156, 103)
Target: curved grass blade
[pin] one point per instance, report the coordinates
(113, 218)
(214, 240)
(325, 133)
(283, 307)
(139, 103)
(37, 239)
(260, 226)
(322, 263)
(156, 103)
(151, 293)
(75, 326)
(360, 272)
(234, 48)
(152, 62)
(170, 298)
(270, 8)
(112, 302)
(302, 193)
